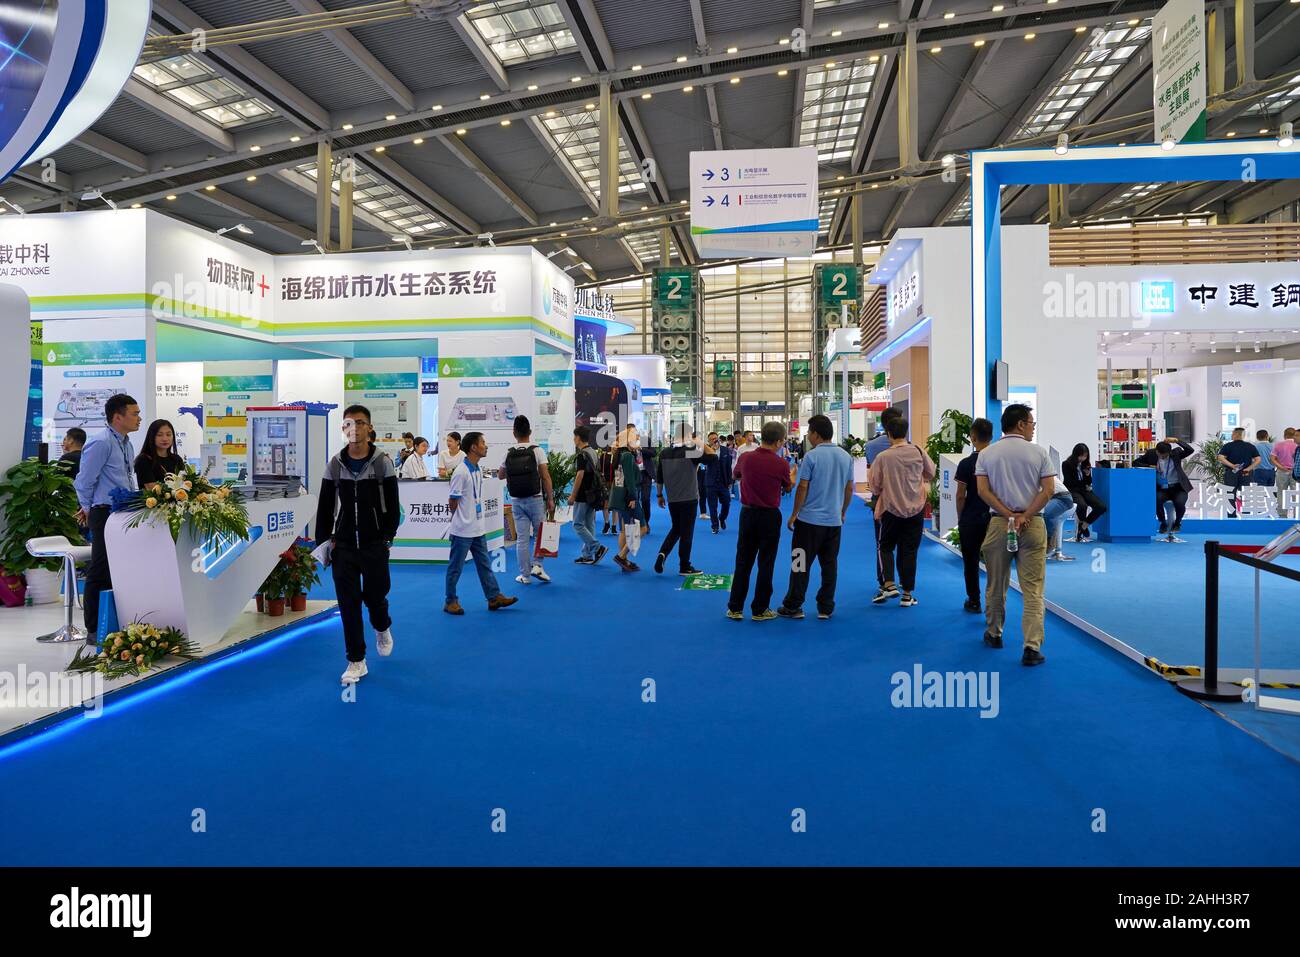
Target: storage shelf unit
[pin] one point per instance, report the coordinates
(1124, 434)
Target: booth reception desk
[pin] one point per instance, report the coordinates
(424, 535)
(1130, 497)
(199, 587)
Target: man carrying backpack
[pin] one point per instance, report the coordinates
(532, 498)
(587, 497)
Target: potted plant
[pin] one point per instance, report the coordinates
(1205, 463)
(302, 574)
(275, 588)
(563, 469)
(37, 499)
(952, 437)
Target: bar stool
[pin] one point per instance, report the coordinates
(57, 546)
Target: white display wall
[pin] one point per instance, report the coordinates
(390, 389)
(313, 380)
(179, 386)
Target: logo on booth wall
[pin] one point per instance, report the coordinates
(280, 523)
(546, 295)
(1157, 298)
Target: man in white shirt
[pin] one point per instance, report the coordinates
(467, 532)
(1015, 477)
(528, 479)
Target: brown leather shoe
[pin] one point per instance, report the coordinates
(501, 601)
(453, 608)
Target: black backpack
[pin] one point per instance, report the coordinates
(523, 477)
(594, 487)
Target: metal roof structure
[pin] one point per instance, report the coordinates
(469, 118)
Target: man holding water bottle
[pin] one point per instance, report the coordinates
(1015, 477)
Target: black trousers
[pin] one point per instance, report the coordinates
(647, 494)
(1175, 494)
(759, 538)
(821, 542)
(719, 505)
(1087, 506)
(972, 539)
(97, 574)
(901, 536)
(683, 531)
(361, 577)
(880, 571)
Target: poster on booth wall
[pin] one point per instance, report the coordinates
(35, 391)
(484, 394)
(553, 423)
(84, 363)
(229, 388)
(390, 389)
(178, 398)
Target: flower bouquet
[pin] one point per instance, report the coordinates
(292, 577)
(133, 651)
(187, 498)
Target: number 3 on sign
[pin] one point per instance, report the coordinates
(726, 175)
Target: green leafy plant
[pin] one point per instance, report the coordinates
(563, 468)
(37, 500)
(301, 569)
(1205, 463)
(953, 436)
(188, 498)
(854, 446)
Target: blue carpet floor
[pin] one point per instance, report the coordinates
(537, 710)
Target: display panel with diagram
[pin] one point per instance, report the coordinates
(278, 449)
(492, 412)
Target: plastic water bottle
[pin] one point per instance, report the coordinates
(1013, 540)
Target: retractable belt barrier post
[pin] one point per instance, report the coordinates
(1207, 686)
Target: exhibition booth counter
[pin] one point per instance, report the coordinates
(424, 535)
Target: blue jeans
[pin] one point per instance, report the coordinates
(1054, 513)
(477, 547)
(529, 513)
(584, 524)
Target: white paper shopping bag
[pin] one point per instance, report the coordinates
(548, 541)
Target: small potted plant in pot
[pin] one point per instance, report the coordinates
(302, 573)
(275, 589)
(37, 499)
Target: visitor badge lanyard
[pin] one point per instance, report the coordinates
(476, 483)
(126, 460)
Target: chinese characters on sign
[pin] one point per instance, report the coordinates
(904, 294)
(429, 510)
(1244, 295)
(24, 253)
(230, 275)
(460, 282)
(589, 302)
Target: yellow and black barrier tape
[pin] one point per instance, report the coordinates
(1194, 671)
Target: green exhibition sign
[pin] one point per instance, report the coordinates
(839, 284)
(674, 288)
(880, 382)
(708, 583)
(724, 369)
(800, 368)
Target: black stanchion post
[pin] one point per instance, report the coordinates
(1207, 687)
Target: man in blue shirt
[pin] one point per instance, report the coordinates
(820, 503)
(106, 465)
(869, 452)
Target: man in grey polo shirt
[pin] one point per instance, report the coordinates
(1014, 477)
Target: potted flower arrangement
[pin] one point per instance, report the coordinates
(186, 499)
(276, 589)
(302, 574)
(38, 500)
(133, 650)
(952, 437)
(563, 469)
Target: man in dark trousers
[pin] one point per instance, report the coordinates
(1172, 483)
(106, 466)
(675, 475)
(972, 513)
(1239, 459)
(359, 512)
(763, 477)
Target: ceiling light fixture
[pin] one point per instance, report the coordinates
(636, 67)
(735, 80)
(1285, 136)
(380, 149)
(882, 26)
(532, 87)
(255, 148)
(171, 197)
(418, 140)
(782, 72)
(90, 194)
(733, 49)
(14, 206)
(390, 117)
(312, 242)
(347, 126)
(505, 122)
(681, 59)
(240, 227)
(295, 138)
(1062, 144)
(1030, 36)
(462, 131)
(575, 79)
(687, 89)
(210, 187)
(250, 179)
(645, 96)
(405, 240)
(979, 43)
(934, 51)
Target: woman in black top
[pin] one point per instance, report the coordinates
(1076, 473)
(158, 458)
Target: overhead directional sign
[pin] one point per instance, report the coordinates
(754, 202)
(1178, 71)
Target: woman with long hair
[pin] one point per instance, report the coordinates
(623, 493)
(1076, 473)
(158, 458)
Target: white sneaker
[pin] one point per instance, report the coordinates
(540, 574)
(384, 642)
(356, 671)
(523, 579)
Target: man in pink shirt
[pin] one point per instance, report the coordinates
(900, 483)
(1283, 459)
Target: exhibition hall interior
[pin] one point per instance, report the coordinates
(651, 434)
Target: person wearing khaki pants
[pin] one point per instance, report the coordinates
(1031, 565)
(1015, 478)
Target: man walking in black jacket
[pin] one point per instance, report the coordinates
(359, 513)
